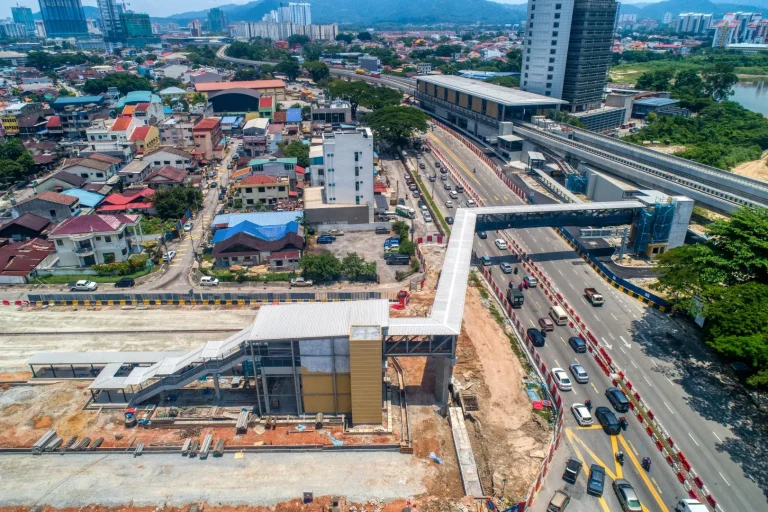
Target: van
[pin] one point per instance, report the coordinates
(449, 204)
(690, 505)
(398, 259)
(558, 315)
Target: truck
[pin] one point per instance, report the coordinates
(300, 281)
(375, 74)
(572, 470)
(690, 505)
(405, 211)
(593, 297)
(515, 298)
(360, 71)
(83, 285)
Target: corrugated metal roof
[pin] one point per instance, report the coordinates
(57, 358)
(317, 319)
(106, 378)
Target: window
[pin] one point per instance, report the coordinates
(99, 174)
(529, 42)
(530, 33)
(248, 190)
(532, 15)
(52, 213)
(167, 162)
(124, 251)
(556, 24)
(554, 33)
(533, 8)
(109, 257)
(530, 25)
(551, 60)
(550, 68)
(329, 155)
(262, 189)
(554, 42)
(529, 50)
(60, 243)
(549, 85)
(120, 236)
(526, 75)
(178, 162)
(548, 93)
(84, 175)
(558, 6)
(320, 172)
(357, 171)
(525, 83)
(108, 239)
(549, 77)
(557, 15)
(249, 201)
(357, 199)
(281, 189)
(357, 156)
(357, 186)
(527, 59)
(98, 239)
(552, 51)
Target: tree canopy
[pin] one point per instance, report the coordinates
(45, 61)
(256, 49)
(297, 40)
(506, 81)
(397, 124)
(365, 36)
(123, 81)
(16, 162)
(361, 93)
(246, 74)
(171, 203)
(298, 150)
(289, 67)
(317, 70)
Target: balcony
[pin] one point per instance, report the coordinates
(84, 251)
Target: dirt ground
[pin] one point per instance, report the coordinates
(667, 150)
(757, 169)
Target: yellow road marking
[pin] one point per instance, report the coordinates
(458, 160)
(533, 324)
(603, 504)
(557, 362)
(615, 448)
(591, 427)
(644, 476)
(574, 437)
(537, 303)
(594, 387)
(506, 198)
(495, 198)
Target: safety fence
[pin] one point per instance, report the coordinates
(544, 376)
(183, 299)
(432, 239)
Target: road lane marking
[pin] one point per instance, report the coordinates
(692, 439)
(633, 364)
(575, 271)
(537, 303)
(632, 446)
(646, 380)
(594, 387)
(569, 284)
(557, 362)
(576, 450)
(573, 437)
(560, 272)
(724, 480)
(644, 476)
(611, 335)
(657, 485)
(614, 317)
(718, 437)
(622, 349)
(673, 412)
(669, 380)
(615, 448)
(533, 324)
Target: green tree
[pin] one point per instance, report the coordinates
(197, 98)
(167, 81)
(317, 70)
(448, 69)
(407, 247)
(297, 40)
(289, 67)
(658, 80)
(320, 267)
(10, 172)
(171, 203)
(298, 150)
(139, 60)
(355, 268)
(123, 81)
(312, 52)
(506, 81)
(397, 124)
(246, 74)
(306, 113)
(402, 229)
(64, 92)
(352, 92)
(719, 80)
(365, 36)
(347, 38)
(267, 70)
(380, 97)
(515, 59)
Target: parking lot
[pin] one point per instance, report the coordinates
(367, 245)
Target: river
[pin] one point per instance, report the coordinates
(752, 95)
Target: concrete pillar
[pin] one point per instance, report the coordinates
(216, 386)
(266, 392)
(443, 378)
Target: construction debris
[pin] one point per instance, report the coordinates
(469, 403)
(41, 443)
(185, 446)
(218, 449)
(206, 447)
(97, 443)
(242, 421)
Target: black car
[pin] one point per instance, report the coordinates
(382, 231)
(126, 282)
(325, 239)
(537, 337)
(459, 188)
(482, 235)
(449, 220)
(577, 344)
(596, 480)
(608, 421)
(618, 399)
(398, 259)
(572, 470)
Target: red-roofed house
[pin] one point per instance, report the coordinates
(267, 107)
(147, 138)
(90, 239)
(51, 205)
(54, 126)
(166, 176)
(130, 201)
(123, 127)
(149, 113)
(262, 188)
(208, 135)
(25, 227)
(18, 260)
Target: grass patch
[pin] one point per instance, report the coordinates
(435, 211)
(156, 226)
(71, 278)
(629, 73)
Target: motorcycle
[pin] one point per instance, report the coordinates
(515, 271)
(646, 463)
(623, 423)
(620, 458)
(588, 405)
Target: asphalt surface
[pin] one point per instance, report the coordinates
(701, 408)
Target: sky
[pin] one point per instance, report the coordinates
(168, 7)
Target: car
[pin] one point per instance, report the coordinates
(422, 205)
(125, 282)
(459, 188)
(577, 344)
(486, 260)
(582, 414)
(449, 204)
(437, 164)
(505, 267)
(382, 231)
(572, 470)
(444, 171)
(596, 480)
(449, 220)
(413, 188)
(432, 178)
(608, 421)
(422, 166)
(561, 379)
(580, 375)
(408, 177)
(536, 337)
(213, 184)
(532, 281)
(325, 239)
(427, 217)
(546, 324)
(471, 203)
(416, 194)
(401, 202)
(209, 281)
(444, 177)
(83, 285)
(391, 240)
(453, 195)
(328, 233)
(335, 232)
(188, 226)
(500, 244)
(398, 259)
(33, 183)
(168, 257)
(559, 501)
(482, 235)
(627, 496)
(446, 186)
(618, 399)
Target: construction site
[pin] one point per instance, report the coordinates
(384, 424)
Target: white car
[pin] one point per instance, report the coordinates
(449, 204)
(561, 379)
(501, 244)
(209, 281)
(471, 203)
(167, 257)
(582, 414)
(427, 217)
(188, 226)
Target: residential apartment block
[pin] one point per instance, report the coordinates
(348, 167)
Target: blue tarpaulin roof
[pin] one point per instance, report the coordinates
(293, 115)
(258, 218)
(267, 233)
(87, 199)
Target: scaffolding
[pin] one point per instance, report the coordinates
(576, 183)
(653, 226)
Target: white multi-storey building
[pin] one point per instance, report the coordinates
(693, 23)
(300, 12)
(95, 239)
(348, 167)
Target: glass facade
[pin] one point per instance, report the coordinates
(63, 18)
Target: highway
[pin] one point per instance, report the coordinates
(703, 411)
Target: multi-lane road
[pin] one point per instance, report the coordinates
(696, 404)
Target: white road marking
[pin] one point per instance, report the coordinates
(614, 317)
(569, 284)
(654, 363)
(633, 364)
(646, 380)
(724, 480)
(622, 350)
(575, 271)
(560, 272)
(718, 437)
(689, 435)
(668, 407)
(611, 335)
(669, 380)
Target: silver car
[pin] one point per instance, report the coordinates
(627, 496)
(580, 375)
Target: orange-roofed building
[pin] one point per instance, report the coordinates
(262, 188)
(147, 138)
(123, 127)
(128, 110)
